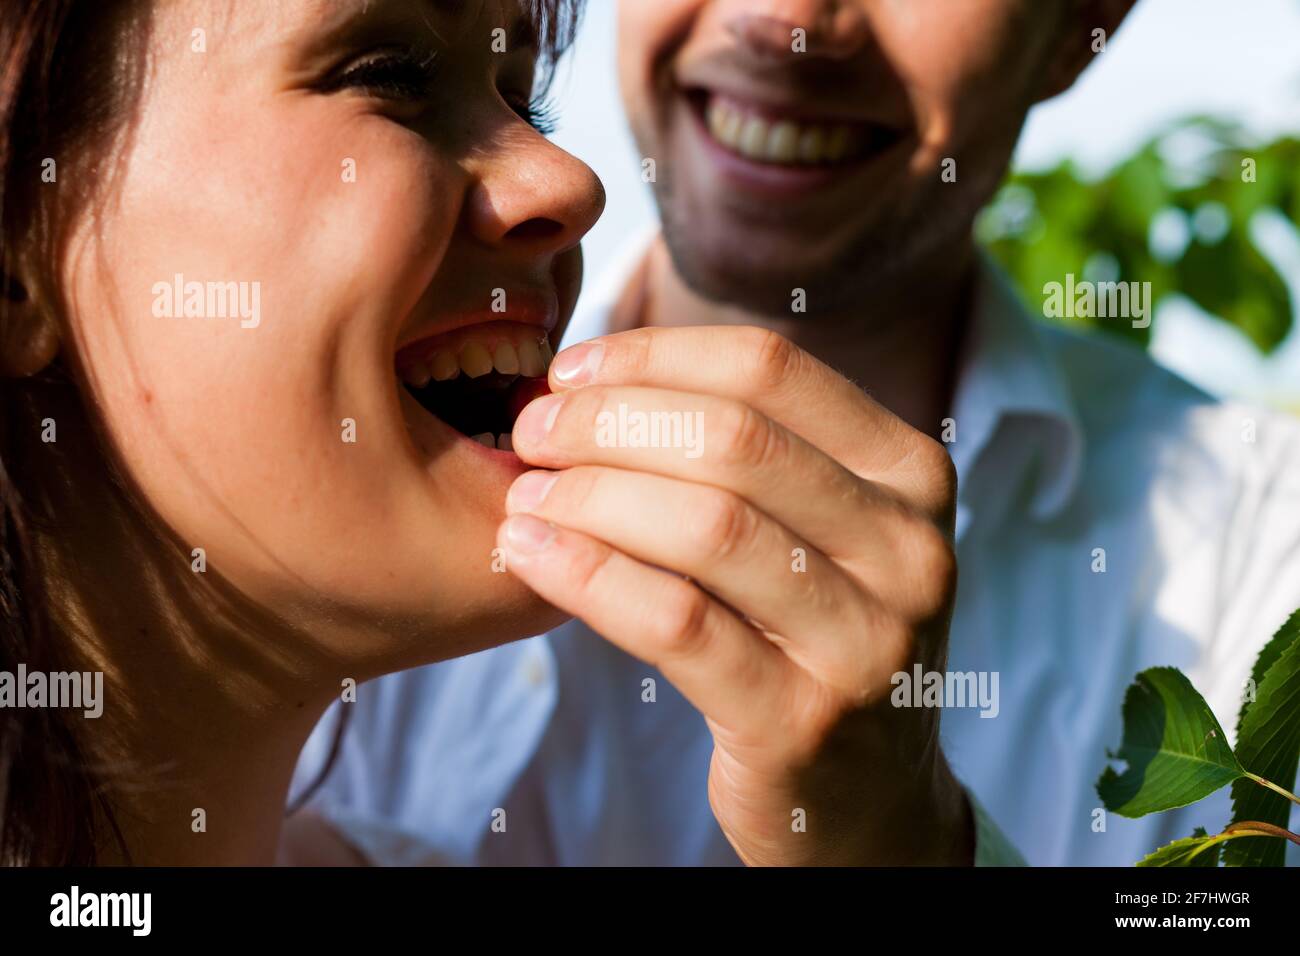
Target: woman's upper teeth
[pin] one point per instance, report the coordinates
(528, 357)
(784, 141)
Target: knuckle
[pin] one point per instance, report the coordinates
(897, 639)
(636, 349)
(774, 359)
(938, 473)
(581, 409)
(935, 564)
(682, 624)
(749, 439)
(889, 638)
(723, 526)
(589, 567)
(576, 489)
(815, 716)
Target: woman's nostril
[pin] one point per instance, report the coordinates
(538, 228)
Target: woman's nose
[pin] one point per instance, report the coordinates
(534, 198)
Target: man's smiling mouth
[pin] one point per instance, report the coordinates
(764, 136)
(477, 379)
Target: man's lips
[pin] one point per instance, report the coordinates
(781, 153)
(776, 136)
(804, 93)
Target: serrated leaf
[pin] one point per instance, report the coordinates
(1174, 747)
(1268, 745)
(1195, 850)
(1287, 635)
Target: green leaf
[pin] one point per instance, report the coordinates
(1195, 850)
(1233, 281)
(1287, 636)
(1174, 747)
(1059, 219)
(1135, 191)
(1268, 745)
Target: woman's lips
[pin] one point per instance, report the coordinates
(475, 380)
(533, 309)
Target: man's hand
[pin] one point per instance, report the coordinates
(779, 574)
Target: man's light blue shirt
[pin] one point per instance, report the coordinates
(1110, 518)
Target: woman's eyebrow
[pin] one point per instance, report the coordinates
(335, 19)
(521, 36)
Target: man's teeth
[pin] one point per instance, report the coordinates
(528, 358)
(779, 141)
(501, 442)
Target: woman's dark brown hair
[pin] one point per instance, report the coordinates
(69, 74)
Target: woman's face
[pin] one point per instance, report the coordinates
(346, 194)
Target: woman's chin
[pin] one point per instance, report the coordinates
(510, 612)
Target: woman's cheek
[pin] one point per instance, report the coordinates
(224, 428)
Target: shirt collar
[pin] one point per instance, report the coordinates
(1014, 416)
(1013, 411)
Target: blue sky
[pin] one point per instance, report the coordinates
(1237, 59)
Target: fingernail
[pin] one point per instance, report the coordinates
(577, 365)
(529, 490)
(528, 535)
(537, 419)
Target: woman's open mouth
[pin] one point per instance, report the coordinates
(477, 379)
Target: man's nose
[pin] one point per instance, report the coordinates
(534, 199)
(833, 29)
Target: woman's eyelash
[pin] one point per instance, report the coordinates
(395, 75)
(542, 114)
(410, 76)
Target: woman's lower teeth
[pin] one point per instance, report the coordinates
(501, 442)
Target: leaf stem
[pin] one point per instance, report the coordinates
(1258, 828)
(1274, 787)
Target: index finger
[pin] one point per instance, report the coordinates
(775, 377)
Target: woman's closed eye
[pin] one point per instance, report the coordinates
(409, 76)
(390, 74)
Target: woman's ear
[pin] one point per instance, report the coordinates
(29, 334)
(1088, 27)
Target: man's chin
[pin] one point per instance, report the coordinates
(777, 279)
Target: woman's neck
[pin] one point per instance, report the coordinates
(200, 731)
